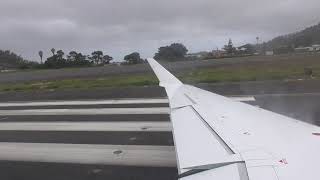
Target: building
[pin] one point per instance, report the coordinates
(269, 53)
(198, 55)
(313, 48)
(303, 49)
(218, 53)
(316, 47)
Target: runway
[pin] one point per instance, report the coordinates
(109, 138)
(134, 133)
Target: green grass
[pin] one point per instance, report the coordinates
(253, 72)
(244, 72)
(120, 81)
(236, 75)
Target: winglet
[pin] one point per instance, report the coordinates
(167, 80)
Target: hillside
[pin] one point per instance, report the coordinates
(306, 37)
(10, 60)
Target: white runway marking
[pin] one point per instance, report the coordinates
(86, 126)
(99, 111)
(105, 102)
(122, 155)
(243, 98)
(88, 102)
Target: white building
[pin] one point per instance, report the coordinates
(201, 54)
(316, 47)
(269, 53)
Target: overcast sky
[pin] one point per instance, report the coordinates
(118, 27)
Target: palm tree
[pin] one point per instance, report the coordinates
(41, 55)
(60, 54)
(53, 51)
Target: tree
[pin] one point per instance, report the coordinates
(72, 56)
(60, 54)
(55, 61)
(106, 59)
(82, 60)
(133, 58)
(77, 59)
(229, 48)
(41, 56)
(53, 51)
(175, 51)
(97, 56)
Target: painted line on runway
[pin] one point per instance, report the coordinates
(120, 155)
(104, 102)
(88, 102)
(243, 98)
(89, 118)
(100, 111)
(87, 126)
(85, 106)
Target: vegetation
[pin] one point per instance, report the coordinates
(247, 74)
(174, 52)
(119, 81)
(98, 58)
(246, 71)
(75, 59)
(306, 37)
(9, 59)
(133, 58)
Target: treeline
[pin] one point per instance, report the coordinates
(59, 59)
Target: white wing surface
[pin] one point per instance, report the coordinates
(219, 138)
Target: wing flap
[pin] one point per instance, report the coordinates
(195, 142)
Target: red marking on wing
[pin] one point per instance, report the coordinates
(283, 161)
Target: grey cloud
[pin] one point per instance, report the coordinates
(121, 26)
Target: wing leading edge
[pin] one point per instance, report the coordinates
(216, 137)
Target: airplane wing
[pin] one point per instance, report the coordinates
(219, 138)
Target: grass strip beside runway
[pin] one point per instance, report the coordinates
(279, 70)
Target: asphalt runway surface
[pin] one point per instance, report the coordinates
(72, 139)
(128, 145)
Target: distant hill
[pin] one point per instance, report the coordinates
(10, 60)
(307, 37)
